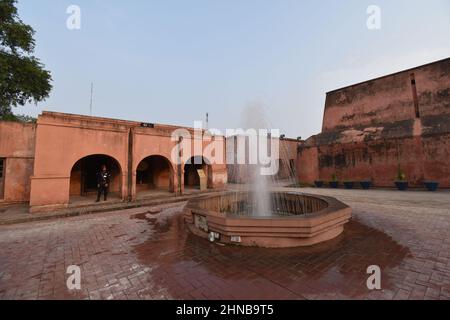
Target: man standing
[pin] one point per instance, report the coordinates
(103, 183)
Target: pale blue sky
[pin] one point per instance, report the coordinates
(170, 61)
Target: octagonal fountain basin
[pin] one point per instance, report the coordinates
(293, 220)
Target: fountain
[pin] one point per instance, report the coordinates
(296, 219)
(259, 214)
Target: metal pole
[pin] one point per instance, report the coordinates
(92, 94)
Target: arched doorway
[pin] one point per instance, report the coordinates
(191, 172)
(153, 174)
(83, 178)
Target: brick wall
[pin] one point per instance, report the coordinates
(372, 128)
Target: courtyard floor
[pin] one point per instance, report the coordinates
(135, 254)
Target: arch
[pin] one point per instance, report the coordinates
(83, 177)
(154, 173)
(191, 176)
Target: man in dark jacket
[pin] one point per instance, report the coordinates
(103, 178)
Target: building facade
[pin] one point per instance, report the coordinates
(287, 160)
(373, 130)
(54, 162)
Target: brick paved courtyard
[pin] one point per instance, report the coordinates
(132, 254)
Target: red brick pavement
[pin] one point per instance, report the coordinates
(132, 254)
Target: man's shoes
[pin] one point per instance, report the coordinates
(98, 200)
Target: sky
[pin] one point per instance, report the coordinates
(172, 61)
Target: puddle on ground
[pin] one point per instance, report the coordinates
(158, 220)
(341, 263)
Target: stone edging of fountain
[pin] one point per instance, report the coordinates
(306, 229)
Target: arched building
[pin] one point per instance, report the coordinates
(370, 130)
(53, 163)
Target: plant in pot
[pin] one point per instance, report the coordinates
(318, 183)
(349, 184)
(431, 185)
(401, 182)
(366, 184)
(334, 183)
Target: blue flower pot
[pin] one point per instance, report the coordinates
(349, 185)
(366, 184)
(319, 184)
(431, 186)
(402, 185)
(334, 184)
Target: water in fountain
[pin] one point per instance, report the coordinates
(260, 201)
(259, 190)
(258, 184)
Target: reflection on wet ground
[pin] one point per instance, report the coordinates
(147, 253)
(333, 269)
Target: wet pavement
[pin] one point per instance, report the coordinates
(147, 253)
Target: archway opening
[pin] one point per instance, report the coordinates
(83, 178)
(154, 174)
(196, 169)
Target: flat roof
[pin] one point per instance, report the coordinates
(110, 120)
(388, 75)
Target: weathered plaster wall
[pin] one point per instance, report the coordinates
(17, 147)
(369, 129)
(307, 164)
(287, 159)
(390, 98)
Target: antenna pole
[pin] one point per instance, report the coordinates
(92, 94)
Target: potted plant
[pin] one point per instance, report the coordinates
(318, 183)
(349, 184)
(401, 182)
(334, 183)
(431, 185)
(366, 184)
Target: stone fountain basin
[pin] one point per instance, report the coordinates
(320, 219)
